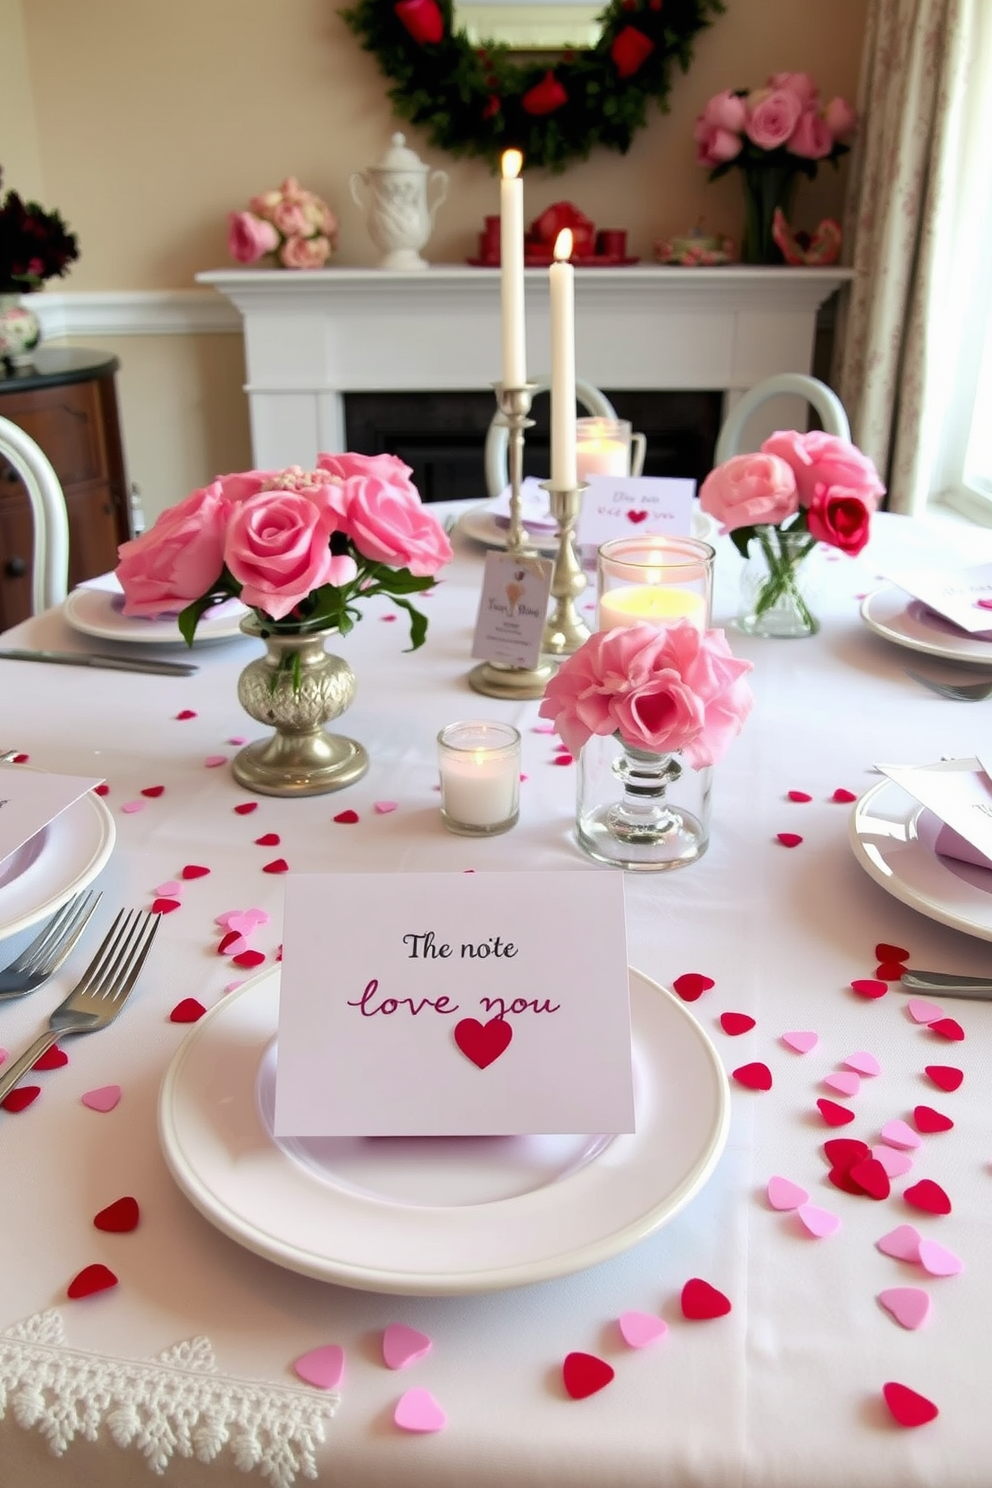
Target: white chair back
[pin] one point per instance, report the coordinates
(822, 398)
(50, 568)
(497, 438)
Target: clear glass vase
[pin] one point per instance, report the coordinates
(778, 585)
(640, 810)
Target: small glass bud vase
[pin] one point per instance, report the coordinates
(778, 585)
(639, 810)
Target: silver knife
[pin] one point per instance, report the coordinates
(100, 659)
(947, 984)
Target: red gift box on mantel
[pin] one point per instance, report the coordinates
(606, 247)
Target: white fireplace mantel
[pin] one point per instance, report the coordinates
(312, 337)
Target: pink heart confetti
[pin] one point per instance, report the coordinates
(213, 760)
(385, 807)
(323, 1367)
(103, 1099)
(819, 1222)
(902, 1244)
(402, 1346)
(3, 1055)
(417, 1410)
(130, 807)
(245, 808)
(233, 986)
(907, 1407)
(237, 739)
(735, 1024)
(948, 1028)
(640, 1329)
(784, 1194)
(869, 987)
(165, 906)
(789, 839)
(863, 1063)
(844, 1082)
(938, 1260)
(799, 795)
(194, 870)
(387, 617)
(186, 713)
(894, 1162)
(899, 1133)
(246, 920)
(154, 791)
(543, 728)
(910, 1306)
(232, 944)
(801, 1040)
(922, 1011)
(170, 890)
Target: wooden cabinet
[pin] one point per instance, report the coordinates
(67, 402)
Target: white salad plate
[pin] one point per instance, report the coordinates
(56, 863)
(896, 616)
(893, 839)
(97, 612)
(437, 1216)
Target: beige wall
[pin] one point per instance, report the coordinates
(148, 122)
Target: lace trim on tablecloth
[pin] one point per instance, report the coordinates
(178, 1402)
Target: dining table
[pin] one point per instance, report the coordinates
(752, 1339)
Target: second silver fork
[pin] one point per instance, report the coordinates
(50, 947)
(961, 692)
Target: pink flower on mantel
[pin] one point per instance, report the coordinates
(772, 115)
(180, 556)
(799, 83)
(249, 238)
(305, 253)
(811, 139)
(840, 119)
(670, 690)
(750, 489)
(278, 549)
(819, 459)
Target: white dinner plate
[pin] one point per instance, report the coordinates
(896, 616)
(893, 839)
(437, 1216)
(56, 863)
(97, 612)
(480, 524)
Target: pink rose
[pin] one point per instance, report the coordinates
(179, 558)
(799, 83)
(278, 548)
(750, 489)
(388, 467)
(841, 518)
(819, 459)
(714, 146)
(811, 139)
(725, 110)
(841, 120)
(265, 204)
(304, 253)
(387, 522)
(249, 238)
(771, 117)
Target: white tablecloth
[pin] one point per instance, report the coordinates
(784, 1391)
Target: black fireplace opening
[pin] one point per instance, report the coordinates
(442, 435)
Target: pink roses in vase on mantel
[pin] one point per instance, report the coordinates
(292, 225)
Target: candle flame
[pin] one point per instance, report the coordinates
(511, 164)
(563, 244)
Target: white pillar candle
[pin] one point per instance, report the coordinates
(601, 457)
(511, 245)
(480, 776)
(650, 604)
(564, 476)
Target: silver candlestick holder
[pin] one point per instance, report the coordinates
(565, 630)
(496, 678)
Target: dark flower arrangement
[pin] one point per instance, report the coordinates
(35, 245)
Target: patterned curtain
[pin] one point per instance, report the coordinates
(918, 221)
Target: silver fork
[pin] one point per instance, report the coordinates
(102, 991)
(963, 692)
(43, 957)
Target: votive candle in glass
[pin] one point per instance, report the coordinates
(479, 764)
(655, 580)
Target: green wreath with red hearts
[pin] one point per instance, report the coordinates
(483, 100)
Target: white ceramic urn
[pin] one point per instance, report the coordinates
(397, 213)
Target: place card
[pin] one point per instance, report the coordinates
(627, 506)
(960, 798)
(961, 595)
(513, 607)
(454, 1004)
(30, 799)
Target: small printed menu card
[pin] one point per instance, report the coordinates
(960, 798)
(961, 595)
(454, 1004)
(30, 799)
(513, 607)
(631, 506)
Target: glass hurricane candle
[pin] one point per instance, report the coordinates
(479, 765)
(655, 580)
(606, 446)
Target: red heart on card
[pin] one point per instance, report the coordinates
(701, 1301)
(165, 906)
(268, 839)
(153, 790)
(483, 1043)
(21, 1098)
(948, 1028)
(798, 795)
(637, 517)
(735, 1023)
(789, 839)
(278, 865)
(832, 1113)
(584, 1374)
(95, 1278)
(53, 1058)
(246, 808)
(908, 1408)
(194, 870)
(844, 1152)
(756, 1076)
(347, 818)
(120, 1217)
(187, 1011)
(871, 1178)
(945, 1076)
(691, 985)
(886, 952)
(869, 987)
(929, 1120)
(928, 1196)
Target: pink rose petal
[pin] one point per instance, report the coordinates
(784, 1194)
(384, 807)
(910, 1306)
(899, 1133)
(893, 1161)
(902, 1244)
(417, 1410)
(323, 1367)
(863, 1063)
(938, 1260)
(104, 1098)
(801, 1041)
(820, 1222)
(922, 1011)
(402, 1346)
(844, 1082)
(131, 806)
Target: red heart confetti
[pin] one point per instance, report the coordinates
(798, 795)
(153, 790)
(268, 839)
(756, 1076)
(736, 1023)
(841, 794)
(948, 1028)
(701, 1301)
(907, 1407)
(347, 818)
(944, 1076)
(928, 1196)
(95, 1278)
(186, 713)
(929, 1120)
(789, 839)
(844, 1152)
(387, 617)
(187, 1011)
(691, 985)
(21, 1098)
(120, 1217)
(889, 971)
(483, 1043)
(245, 808)
(248, 958)
(233, 937)
(278, 865)
(584, 1374)
(562, 759)
(886, 952)
(165, 906)
(869, 987)
(832, 1113)
(871, 1178)
(841, 1178)
(53, 1058)
(103, 789)
(21, 759)
(194, 870)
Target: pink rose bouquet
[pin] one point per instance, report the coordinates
(294, 226)
(674, 690)
(301, 548)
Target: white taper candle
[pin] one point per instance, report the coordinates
(511, 244)
(562, 284)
